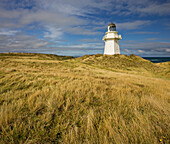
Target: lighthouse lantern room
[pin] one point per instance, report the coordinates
(111, 39)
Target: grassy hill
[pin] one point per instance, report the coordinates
(91, 99)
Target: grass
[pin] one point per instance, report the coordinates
(91, 99)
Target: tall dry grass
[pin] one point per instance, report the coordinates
(45, 99)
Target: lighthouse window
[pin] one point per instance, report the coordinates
(112, 28)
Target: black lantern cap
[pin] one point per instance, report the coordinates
(112, 24)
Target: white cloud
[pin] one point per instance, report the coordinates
(53, 32)
(81, 30)
(126, 50)
(168, 50)
(74, 7)
(147, 45)
(141, 51)
(85, 46)
(133, 25)
(66, 13)
(21, 42)
(90, 40)
(8, 32)
(147, 48)
(160, 9)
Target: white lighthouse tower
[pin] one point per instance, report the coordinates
(111, 39)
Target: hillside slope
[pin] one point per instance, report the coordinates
(127, 64)
(91, 99)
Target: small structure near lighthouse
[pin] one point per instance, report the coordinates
(111, 39)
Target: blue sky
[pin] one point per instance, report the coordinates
(76, 27)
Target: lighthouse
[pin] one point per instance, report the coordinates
(111, 39)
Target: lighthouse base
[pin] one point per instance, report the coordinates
(111, 47)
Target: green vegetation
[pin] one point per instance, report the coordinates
(91, 99)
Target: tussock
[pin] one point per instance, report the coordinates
(92, 99)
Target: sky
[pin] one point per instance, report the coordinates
(76, 27)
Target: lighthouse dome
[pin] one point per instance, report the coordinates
(112, 24)
(111, 27)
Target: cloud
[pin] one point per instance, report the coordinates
(84, 8)
(147, 48)
(147, 45)
(74, 7)
(78, 30)
(17, 17)
(85, 46)
(160, 9)
(133, 25)
(90, 40)
(21, 42)
(151, 39)
(64, 16)
(46, 17)
(70, 14)
(142, 8)
(168, 50)
(146, 32)
(8, 32)
(141, 51)
(53, 32)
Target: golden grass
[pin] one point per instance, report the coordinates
(93, 99)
